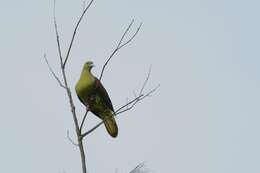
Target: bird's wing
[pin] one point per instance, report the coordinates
(103, 93)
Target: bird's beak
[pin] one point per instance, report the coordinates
(92, 65)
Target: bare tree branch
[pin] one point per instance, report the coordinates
(91, 130)
(83, 5)
(135, 101)
(131, 37)
(120, 45)
(57, 34)
(126, 31)
(53, 73)
(82, 123)
(140, 169)
(68, 136)
(75, 31)
(72, 106)
(146, 80)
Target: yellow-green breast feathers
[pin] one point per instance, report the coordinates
(86, 83)
(91, 93)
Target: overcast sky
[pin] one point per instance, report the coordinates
(203, 119)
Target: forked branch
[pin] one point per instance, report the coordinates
(57, 35)
(65, 83)
(53, 73)
(83, 120)
(121, 45)
(75, 31)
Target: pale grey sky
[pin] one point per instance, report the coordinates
(203, 119)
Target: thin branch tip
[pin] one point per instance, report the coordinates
(65, 85)
(84, 118)
(141, 167)
(71, 141)
(75, 31)
(52, 72)
(120, 45)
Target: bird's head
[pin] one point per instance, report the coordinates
(88, 65)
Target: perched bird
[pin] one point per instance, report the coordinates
(94, 96)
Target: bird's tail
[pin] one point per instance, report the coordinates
(110, 124)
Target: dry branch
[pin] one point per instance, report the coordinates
(62, 66)
(53, 73)
(121, 45)
(70, 139)
(140, 169)
(84, 118)
(57, 34)
(75, 31)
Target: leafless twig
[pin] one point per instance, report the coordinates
(140, 169)
(135, 101)
(57, 34)
(84, 118)
(83, 5)
(146, 80)
(75, 31)
(68, 136)
(62, 66)
(53, 73)
(121, 45)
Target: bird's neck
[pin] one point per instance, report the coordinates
(87, 75)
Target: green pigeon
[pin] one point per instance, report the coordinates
(94, 96)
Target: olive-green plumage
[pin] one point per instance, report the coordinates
(92, 94)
